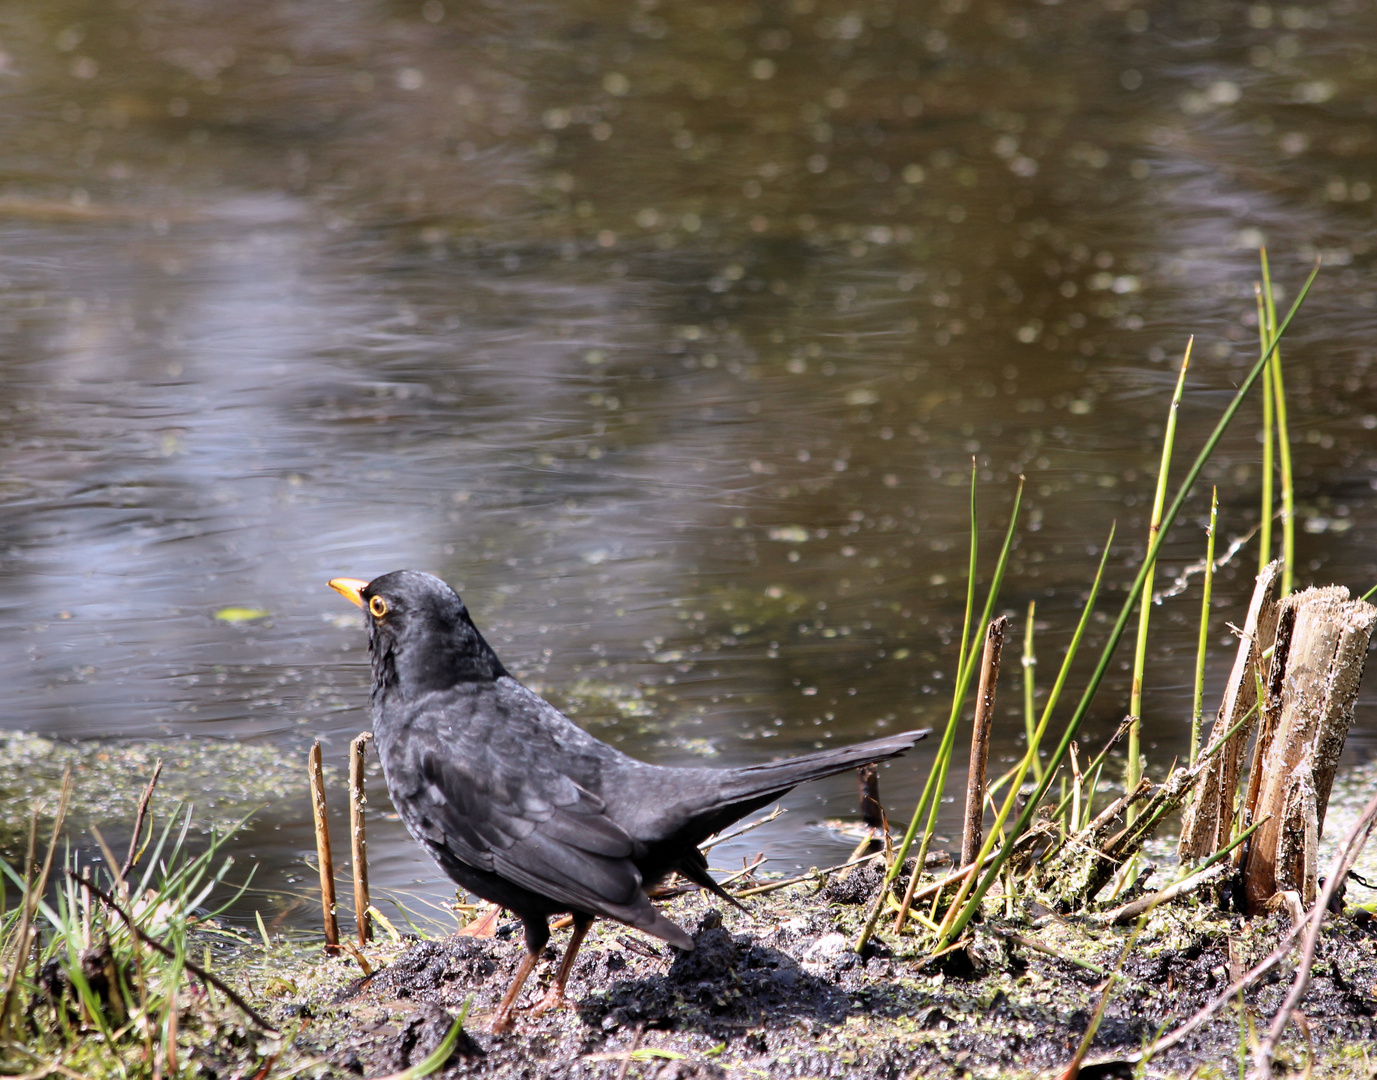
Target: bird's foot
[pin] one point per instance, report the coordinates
(553, 999)
(501, 1022)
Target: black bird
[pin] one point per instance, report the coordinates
(520, 805)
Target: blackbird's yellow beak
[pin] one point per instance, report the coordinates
(350, 588)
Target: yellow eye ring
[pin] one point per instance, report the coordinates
(377, 606)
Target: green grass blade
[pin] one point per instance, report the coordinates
(1288, 488)
(931, 798)
(970, 586)
(1197, 705)
(1159, 498)
(1264, 551)
(968, 668)
(1017, 783)
(1030, 663)
(937, 775)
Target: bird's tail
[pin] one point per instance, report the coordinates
(776, 777)
(711, 799)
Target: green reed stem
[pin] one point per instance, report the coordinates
(1264, 551)
(967, 673)
(1017, 783)
(937, 775)
(965, 660)
(1159, 498)
(930, 800)
(1288, 488)
(958, 925)
(1202, 641)
(1030, 663)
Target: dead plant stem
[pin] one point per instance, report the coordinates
(325, 860)
(972, 834)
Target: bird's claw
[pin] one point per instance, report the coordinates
(553, 999)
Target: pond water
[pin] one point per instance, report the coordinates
(667, 333)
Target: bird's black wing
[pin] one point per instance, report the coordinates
(505, 796)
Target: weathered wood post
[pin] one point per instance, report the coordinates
(1317, 664)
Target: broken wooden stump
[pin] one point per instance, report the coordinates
(1317, 663)
(1303, 656)
(1306, 653)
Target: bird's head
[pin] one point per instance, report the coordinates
(419, 633)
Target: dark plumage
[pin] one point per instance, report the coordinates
(523, 807)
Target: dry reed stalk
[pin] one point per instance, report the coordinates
(325, 859)
(144, 800)
(973, 833)
(357, 838)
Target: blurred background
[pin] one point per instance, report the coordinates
(667, 333)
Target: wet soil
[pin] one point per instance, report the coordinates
(775, 991)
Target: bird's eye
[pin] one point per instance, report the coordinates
(378, 607)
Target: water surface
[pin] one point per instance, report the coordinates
(668, 335)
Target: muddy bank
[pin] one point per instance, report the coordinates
(775, 991)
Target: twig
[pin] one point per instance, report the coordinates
(745, 870)
(193, 967)
(1077, 779)
(1207, 872)
(812, 875)
(144, 800)
(630, 1050)
(1046, 950)
(1338, 870)
(776, 812)
(1096, 764)
(973, 833)
(357, 839)
(682, 888)
(1130, 911)
(324, 858)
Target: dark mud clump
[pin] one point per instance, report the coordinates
(777, 992)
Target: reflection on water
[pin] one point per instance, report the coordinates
(666, 332)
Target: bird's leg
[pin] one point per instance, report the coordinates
(554, 997)
(537, 934)
(502, 1019)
